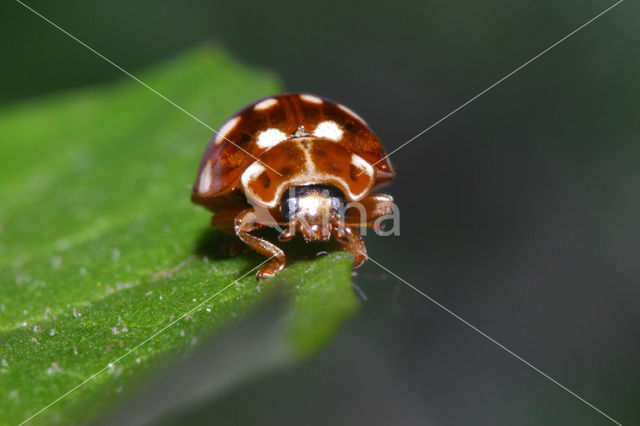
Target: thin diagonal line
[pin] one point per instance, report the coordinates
(141, 343)
(501, 80)
(141, 82)
(500, 345)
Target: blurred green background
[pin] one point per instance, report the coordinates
(520, 212)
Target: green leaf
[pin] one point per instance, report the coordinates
(100, 247)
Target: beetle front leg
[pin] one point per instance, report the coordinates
(352, 242)
(245, 223)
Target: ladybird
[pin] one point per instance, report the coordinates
(297, 161)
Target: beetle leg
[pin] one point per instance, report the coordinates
(246, 222)
(366, 211)
(352, 242)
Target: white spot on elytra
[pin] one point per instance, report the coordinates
(362, 164)
(270, 137)
(311, 98)
(252, 172)
(226, 128)
(205, 178)
(329, 130)
(267, 103)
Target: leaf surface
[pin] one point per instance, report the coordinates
(101, 252)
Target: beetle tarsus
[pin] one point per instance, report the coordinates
(353, 244)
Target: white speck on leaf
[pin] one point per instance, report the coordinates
(55, 368)
(122, 286)
(118, 371)
(63, 244)
(56, 262)
(48, 314)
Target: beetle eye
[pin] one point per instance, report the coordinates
(288, 205)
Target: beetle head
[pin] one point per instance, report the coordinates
(314, 210)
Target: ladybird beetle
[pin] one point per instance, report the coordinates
(299, 161)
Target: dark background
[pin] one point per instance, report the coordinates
(519, 212)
